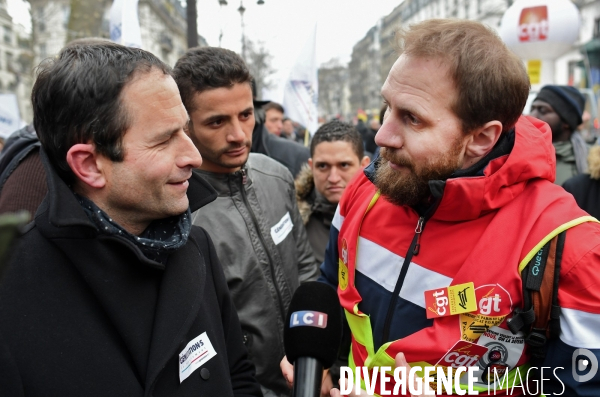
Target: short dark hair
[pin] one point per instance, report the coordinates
(273, 105)
(336, 130)
(205, 68)
(491, 82)
(77, 99)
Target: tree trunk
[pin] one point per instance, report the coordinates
(85, 19)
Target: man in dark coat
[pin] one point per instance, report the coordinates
(289, 153)
(111, 290)
(562, 108)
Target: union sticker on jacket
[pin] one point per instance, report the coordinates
(194, 355)
(280, 231)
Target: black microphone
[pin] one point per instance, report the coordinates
(312, 335)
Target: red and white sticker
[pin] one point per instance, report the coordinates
(463, 354)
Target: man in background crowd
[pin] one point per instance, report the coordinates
(562, 108)
(289, 153)
(274, 118)
(336, 156)
(370, 145)
(111, 291)
(288, 131)
(255, 224)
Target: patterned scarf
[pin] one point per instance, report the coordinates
(160, 238)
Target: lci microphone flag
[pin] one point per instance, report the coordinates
(300, 95)
(124, 23)
(308, 318)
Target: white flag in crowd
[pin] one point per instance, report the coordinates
(124, 23)
(301, 90)
(10, 119)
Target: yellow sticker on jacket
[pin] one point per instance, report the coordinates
(452, 300)
(343, 266)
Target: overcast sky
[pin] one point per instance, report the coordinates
(282, 25)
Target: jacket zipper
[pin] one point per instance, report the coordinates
(412, 250)
(262, 240)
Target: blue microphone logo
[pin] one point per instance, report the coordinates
(308, 318)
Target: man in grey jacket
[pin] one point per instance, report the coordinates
(254, 223)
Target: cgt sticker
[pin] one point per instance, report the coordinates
(343, 266)
(451, 300)
(493, 305)
(462, 354)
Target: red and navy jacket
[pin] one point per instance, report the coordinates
(481, 229)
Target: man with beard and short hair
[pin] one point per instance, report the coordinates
(562, 108)
(255, 223)
(111, 291)
(462, 193)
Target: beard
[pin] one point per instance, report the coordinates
(217, 156)
(411, 189)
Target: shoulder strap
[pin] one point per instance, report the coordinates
(539, 317)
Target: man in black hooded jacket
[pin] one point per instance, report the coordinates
(111, 290)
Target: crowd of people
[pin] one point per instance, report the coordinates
(173, 216)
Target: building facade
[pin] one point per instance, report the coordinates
(16, 60)
(364, 73)
(580, 66)
(334, 91)
(162, 24)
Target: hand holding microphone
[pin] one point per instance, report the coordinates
(312, 335)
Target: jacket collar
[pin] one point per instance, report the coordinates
(222, 182)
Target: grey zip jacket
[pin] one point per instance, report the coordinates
(265, 253)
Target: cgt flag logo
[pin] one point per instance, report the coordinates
(308, 318)
(533, 24)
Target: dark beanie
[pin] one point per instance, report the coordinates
(566, 101)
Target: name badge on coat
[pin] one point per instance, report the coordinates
(282, 228)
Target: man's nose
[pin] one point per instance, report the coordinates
(389, 134)
(189, 156)
(334, 175)
(236, 133)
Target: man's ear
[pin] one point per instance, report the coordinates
(365, 161)
(83, 160)
(310, 162)
(481, 142)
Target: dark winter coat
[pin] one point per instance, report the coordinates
(586, 187)
(289, 153)
(87, 314)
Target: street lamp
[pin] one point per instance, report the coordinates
(241, 10)
(192, 24)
